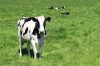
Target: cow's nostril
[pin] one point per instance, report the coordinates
(41, 32)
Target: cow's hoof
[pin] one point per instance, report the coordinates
(20, 55)
(39, 58)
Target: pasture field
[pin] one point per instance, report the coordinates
(72, 40)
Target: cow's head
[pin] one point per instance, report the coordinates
(41, 23)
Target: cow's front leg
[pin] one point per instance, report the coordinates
(20, 47)
(40, 51)
(34, 48)
(41, 42)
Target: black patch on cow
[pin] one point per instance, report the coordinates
(37, 25)
(26, 30)
(48, 19)
(20, 32)
(36, 31)
(31, 18)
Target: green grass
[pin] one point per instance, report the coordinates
(72, 40)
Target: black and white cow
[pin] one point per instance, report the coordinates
(32, 30)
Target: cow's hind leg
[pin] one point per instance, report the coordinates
(20, 47)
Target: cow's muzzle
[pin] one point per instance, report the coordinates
(41, 32)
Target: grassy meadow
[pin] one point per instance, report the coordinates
(72, 40)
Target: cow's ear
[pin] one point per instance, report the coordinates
(48, 19)
(34, 19)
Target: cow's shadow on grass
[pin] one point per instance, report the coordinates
(24, 52)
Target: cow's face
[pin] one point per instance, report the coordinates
(42, 23)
